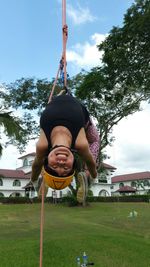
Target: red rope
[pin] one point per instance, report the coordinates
(63, 61)
(42, 225)
(54, 84)
(65, 36)
(63, 12)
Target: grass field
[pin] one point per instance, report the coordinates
(103, 230)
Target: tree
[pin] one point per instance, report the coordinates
(140, 184)
(31, 94)
(112, 91)
(107, 106)
(26, 97)
(117, 88)
(17, 130)
(126, 50)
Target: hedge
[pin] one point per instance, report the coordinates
(22, 200)
(132, 198)
(72, 201)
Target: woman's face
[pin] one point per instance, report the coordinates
(61, 160)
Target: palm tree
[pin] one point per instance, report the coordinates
(11, 127)
(17, 130)
(140, 184)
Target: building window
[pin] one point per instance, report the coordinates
(146, 183)
(102, 181)
(133, 184)
(121, 185)
(102, 178)
(30, 162)
(25, 162)
(1, 182)
(16, 183)
(112, 187)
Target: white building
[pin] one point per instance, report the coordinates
(12, 182)
(128, 183)
(102, 184)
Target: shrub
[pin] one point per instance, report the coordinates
(70, 201)
(18, 200)
(132, 198)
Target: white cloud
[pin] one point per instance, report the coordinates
(80, 15)
(10, 155)
(131, 150)
(86, 56)
(9, 158)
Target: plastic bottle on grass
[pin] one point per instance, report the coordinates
(78, 262)
(85, 259)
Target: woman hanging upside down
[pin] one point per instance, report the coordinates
(65, 128)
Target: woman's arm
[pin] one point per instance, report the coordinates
(41, 152)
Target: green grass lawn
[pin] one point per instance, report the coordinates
(103, 230)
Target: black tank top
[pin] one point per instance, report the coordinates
(67, 111)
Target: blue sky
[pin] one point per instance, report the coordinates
(31, 34)
(31, 46)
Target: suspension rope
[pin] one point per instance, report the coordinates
(62, 66)
(65, 36)
(42, 224)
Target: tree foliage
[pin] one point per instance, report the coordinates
(126, 50)
(117, 88)
(107, 106)
(31, 94)
(21, 104)
(111, 91)
(15, 129)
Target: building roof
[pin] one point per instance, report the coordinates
(107, 166)
(126, 189)
(131, 177)
(13, 174)
(27, 155)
